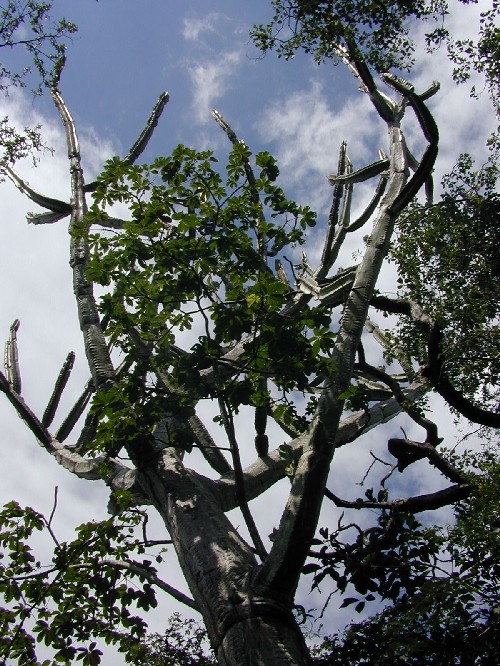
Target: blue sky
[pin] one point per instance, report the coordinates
(125, 53)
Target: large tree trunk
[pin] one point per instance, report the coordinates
(244, 627)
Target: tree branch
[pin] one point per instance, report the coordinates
(143, 139)
(281, 570)
(427, 502)
(53, 205)
(137, 569)
(434, 371)
(60, 385)
(96, 349)
(407, 452)
(262, 474)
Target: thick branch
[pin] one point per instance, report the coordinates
(427, 502)
(434, 371)
(96, 349)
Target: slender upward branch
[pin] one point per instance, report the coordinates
(96, 349)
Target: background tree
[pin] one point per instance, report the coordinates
(198, 252)
(28, 26)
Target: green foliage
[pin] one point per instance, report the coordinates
(481, 55)
(448, 261)
(28, 26)
(85, 594)
(394, 555)
(380, 30)
(193, 256)
(417, 630)
(184, 643)
(441, 583)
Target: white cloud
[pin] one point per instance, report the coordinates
(210, 81)
(194, 27)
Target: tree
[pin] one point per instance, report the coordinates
(210, 252)
(28, 26)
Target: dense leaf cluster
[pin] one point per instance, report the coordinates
(30, 25)
(184, 643)
(194, 257)
(441, 583)
(448, 261)
(87, 593)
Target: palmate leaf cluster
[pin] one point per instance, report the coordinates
(448, 261)
(88, 592)
(193, 261)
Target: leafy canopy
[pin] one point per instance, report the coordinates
(193, 257)
(447, 257)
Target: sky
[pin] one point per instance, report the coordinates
(124, 55)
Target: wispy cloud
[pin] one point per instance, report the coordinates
(307, 131)
(210, 81)
(194, 27)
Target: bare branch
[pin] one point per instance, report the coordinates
(407, 452)
(59, 387)
(143, 139)
(411, 410)
(53, 205)
(359, 176)
(40, 432)
(208, 447)
(331, 243)
(75, 413)
(138, 570)
(11, 359)
(240, 481)
(45, 218)
(96, 349)
(370, 209)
